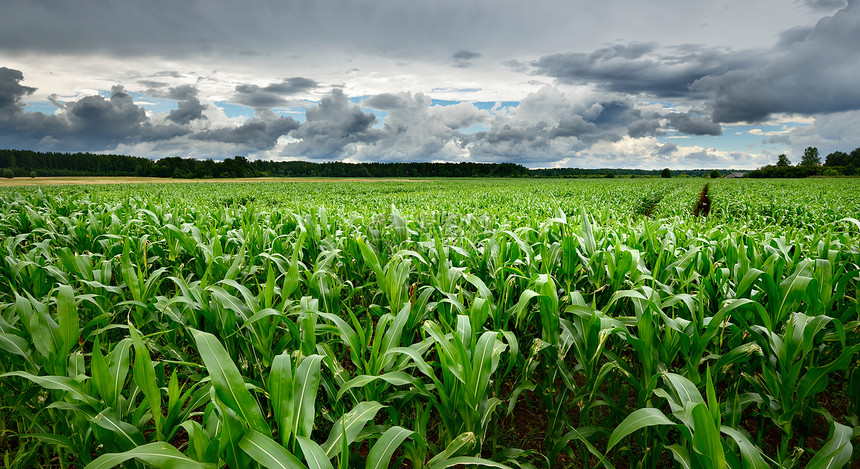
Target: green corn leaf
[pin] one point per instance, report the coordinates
(281, 394)
(751, 454)
(638, 419)
(161, 455)
(346, 428)
(482, 368)
(707, 444)
(815, 379)
(463, 443)
(231, 431)
(397, 378)
(305, 385)
(67, 317)
(466, 461)
(120, 359)
(126, 435)
(681, 456)
(267, 452)
(101, 374)
(381, 452)
(144, 376)
(314, 454)
(686, 390)
(713, 403)
(228, 382)
(58, 383)
(16, 345)
(836, 452)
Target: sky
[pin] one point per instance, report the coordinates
(575, 83)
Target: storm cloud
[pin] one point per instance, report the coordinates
(811, 70)
(815, 72)
(641, 68)
(89, 123)
(332, 126)
(255, 134)
(273, 94)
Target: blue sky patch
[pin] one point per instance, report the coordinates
(235, 110)
(45, 107)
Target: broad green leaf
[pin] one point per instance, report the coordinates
(67, 317)
(268, 452)
(314, 454)
(127, 436)
(466, 461)
(707, 444)
(397, 378)
(380, 454)
(346, 428)
(228, 382)
(305, 385)
(750, 453)
(836, 452)
(59, 383)
(161, 455)
(462, 443)
(641, 418)
(144, 376)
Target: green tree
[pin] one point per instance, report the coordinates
(783, 160)
(666, 173)
(715, 174)
(837, 158)
(8, 173)
(810, 157)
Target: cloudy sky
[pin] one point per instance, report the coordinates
(585, 83)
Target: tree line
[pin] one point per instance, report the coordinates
(835, 164)
(23, 163)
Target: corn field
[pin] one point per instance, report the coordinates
(431, 324)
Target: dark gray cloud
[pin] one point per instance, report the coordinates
(188, 110)
(641, 68)
(189, 107)
(274, 94)
(811, 74)
(644, 127)
(255, 134)
(153, 85)
(94, 123)
(331, 127)
(667, 149)
(829, 5)
(810, 70)
(687, 123)
(181, 92)
(464, 58)
(90, 123)
(11, 90)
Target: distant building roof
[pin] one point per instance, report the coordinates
(735, 175)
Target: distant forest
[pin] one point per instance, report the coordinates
(31, 163)
(24, 163)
